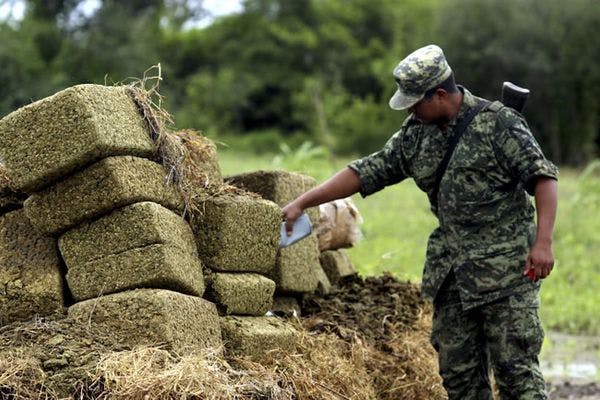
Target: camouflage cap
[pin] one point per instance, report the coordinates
(418, 72)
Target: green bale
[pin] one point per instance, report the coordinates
(237, 233)
(241, 293)
(296, 266)
(254, 337)
(53, 137)
(337, 265)
(30, 271)
(287, 306)
(157, 266)
(280, 187)
(136, 225)
(150, 317)
(109, 184)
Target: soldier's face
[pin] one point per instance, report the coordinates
(428, 111)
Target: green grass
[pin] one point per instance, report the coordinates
(397, 222)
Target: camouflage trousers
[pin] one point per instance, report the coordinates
(503, 337)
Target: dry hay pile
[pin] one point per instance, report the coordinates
(55, 358)
(392, 324)
(367, 340)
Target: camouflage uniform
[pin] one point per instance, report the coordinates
(485, 309)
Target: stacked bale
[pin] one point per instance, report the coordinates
(237, 237)
(98, 198)
(30, 269)
(297, 268)
(83, 155)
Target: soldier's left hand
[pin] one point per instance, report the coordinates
(540, 261)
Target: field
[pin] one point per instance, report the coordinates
(397, 222)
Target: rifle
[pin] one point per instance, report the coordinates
(514, 96)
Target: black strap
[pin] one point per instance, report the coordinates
(460, 129)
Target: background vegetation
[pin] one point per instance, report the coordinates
(317, 69)
(304, 85)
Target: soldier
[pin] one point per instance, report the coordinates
(486, 258)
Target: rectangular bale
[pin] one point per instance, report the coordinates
(279, 186)
(156, 266)
(30, 271)
(111, 183)
(296, 266)
(337, 265)
(237, 233)
(255, 337)
(241, 293)
(53, 137)
(136, 225)
(153, 317)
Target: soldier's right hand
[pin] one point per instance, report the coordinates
(290, 214)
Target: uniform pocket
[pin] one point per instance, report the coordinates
(494, 269)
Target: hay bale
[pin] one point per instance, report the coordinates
(241, 293)
(111, 183)
(157, 266)
(254, 337)
(279, 186)
(237, 233)
(136, 225)
(53, 137)
(153, 318)
(30, 271)
(296, 266)
(286, 305)
(337, 265)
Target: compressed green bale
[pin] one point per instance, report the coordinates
(136, 225)
(279, 186)
(30, 271)
(237, 233)
(53, 137)
(296, 266)
(109, 184)
(254, 337)
(151, 317)
(337, 265)
(287, 306)
(241, 293)
(156, 266)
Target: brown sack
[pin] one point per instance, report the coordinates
(338, 225)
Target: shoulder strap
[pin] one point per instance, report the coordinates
(460, 129)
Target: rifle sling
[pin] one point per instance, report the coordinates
(460, 129)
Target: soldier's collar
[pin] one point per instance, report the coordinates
(467, 103)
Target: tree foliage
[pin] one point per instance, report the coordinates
(316, 68)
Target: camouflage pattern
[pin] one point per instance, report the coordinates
(418, 72)
(486, 220)
(504, 336)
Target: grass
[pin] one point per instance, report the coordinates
(397, 222)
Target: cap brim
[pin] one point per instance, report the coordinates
(401, 101)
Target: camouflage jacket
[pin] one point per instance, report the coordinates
(486, 218)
